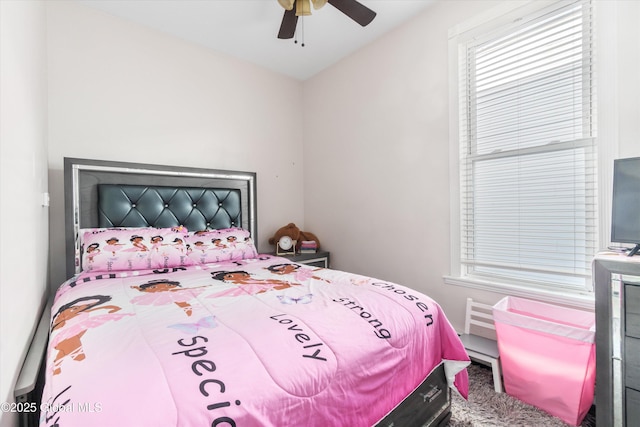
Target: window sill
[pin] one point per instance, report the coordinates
(584, 301)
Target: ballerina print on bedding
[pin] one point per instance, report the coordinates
(256, 342)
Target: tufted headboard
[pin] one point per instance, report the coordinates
(118, 194)
(121, 205)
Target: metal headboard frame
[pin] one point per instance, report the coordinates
(83, 175)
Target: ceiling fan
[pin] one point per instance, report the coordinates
(294, 8)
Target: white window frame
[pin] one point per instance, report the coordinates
(495, 18)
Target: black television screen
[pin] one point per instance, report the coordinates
(625, 218)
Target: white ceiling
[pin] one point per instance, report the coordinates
(247, 29)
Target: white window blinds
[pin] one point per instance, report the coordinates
(528, 167)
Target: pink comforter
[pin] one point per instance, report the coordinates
(247, 343)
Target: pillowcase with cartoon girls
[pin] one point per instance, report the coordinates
(122, 249)
(228, 244)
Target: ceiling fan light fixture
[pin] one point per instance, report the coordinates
(352, 8)
(317, 4)
(286, 4)
(303, 8)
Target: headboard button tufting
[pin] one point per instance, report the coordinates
(191, 207)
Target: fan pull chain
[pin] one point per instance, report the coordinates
(302, 31)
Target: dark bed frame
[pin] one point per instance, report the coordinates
(118, 194)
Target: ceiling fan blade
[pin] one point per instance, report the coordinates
(288, 26)
(354, 10)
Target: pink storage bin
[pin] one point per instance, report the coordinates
(547, 355)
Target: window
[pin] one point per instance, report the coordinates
(527, 155)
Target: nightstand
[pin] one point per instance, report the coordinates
(317, 259)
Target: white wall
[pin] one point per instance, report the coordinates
(626, 40)
(377, 146)
(23, 180)
(118, 91)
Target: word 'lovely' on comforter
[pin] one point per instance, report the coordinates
(259, 342)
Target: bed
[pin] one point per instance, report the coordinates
(172, 317)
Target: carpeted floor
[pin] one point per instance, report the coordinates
(486, 408)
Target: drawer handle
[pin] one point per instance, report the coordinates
(431, 395)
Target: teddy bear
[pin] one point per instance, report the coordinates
(290, 230)
(295, 233)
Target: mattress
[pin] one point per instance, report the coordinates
(251, 342)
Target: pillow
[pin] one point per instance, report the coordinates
(228, 244)
(127, 249)
(91, 231)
